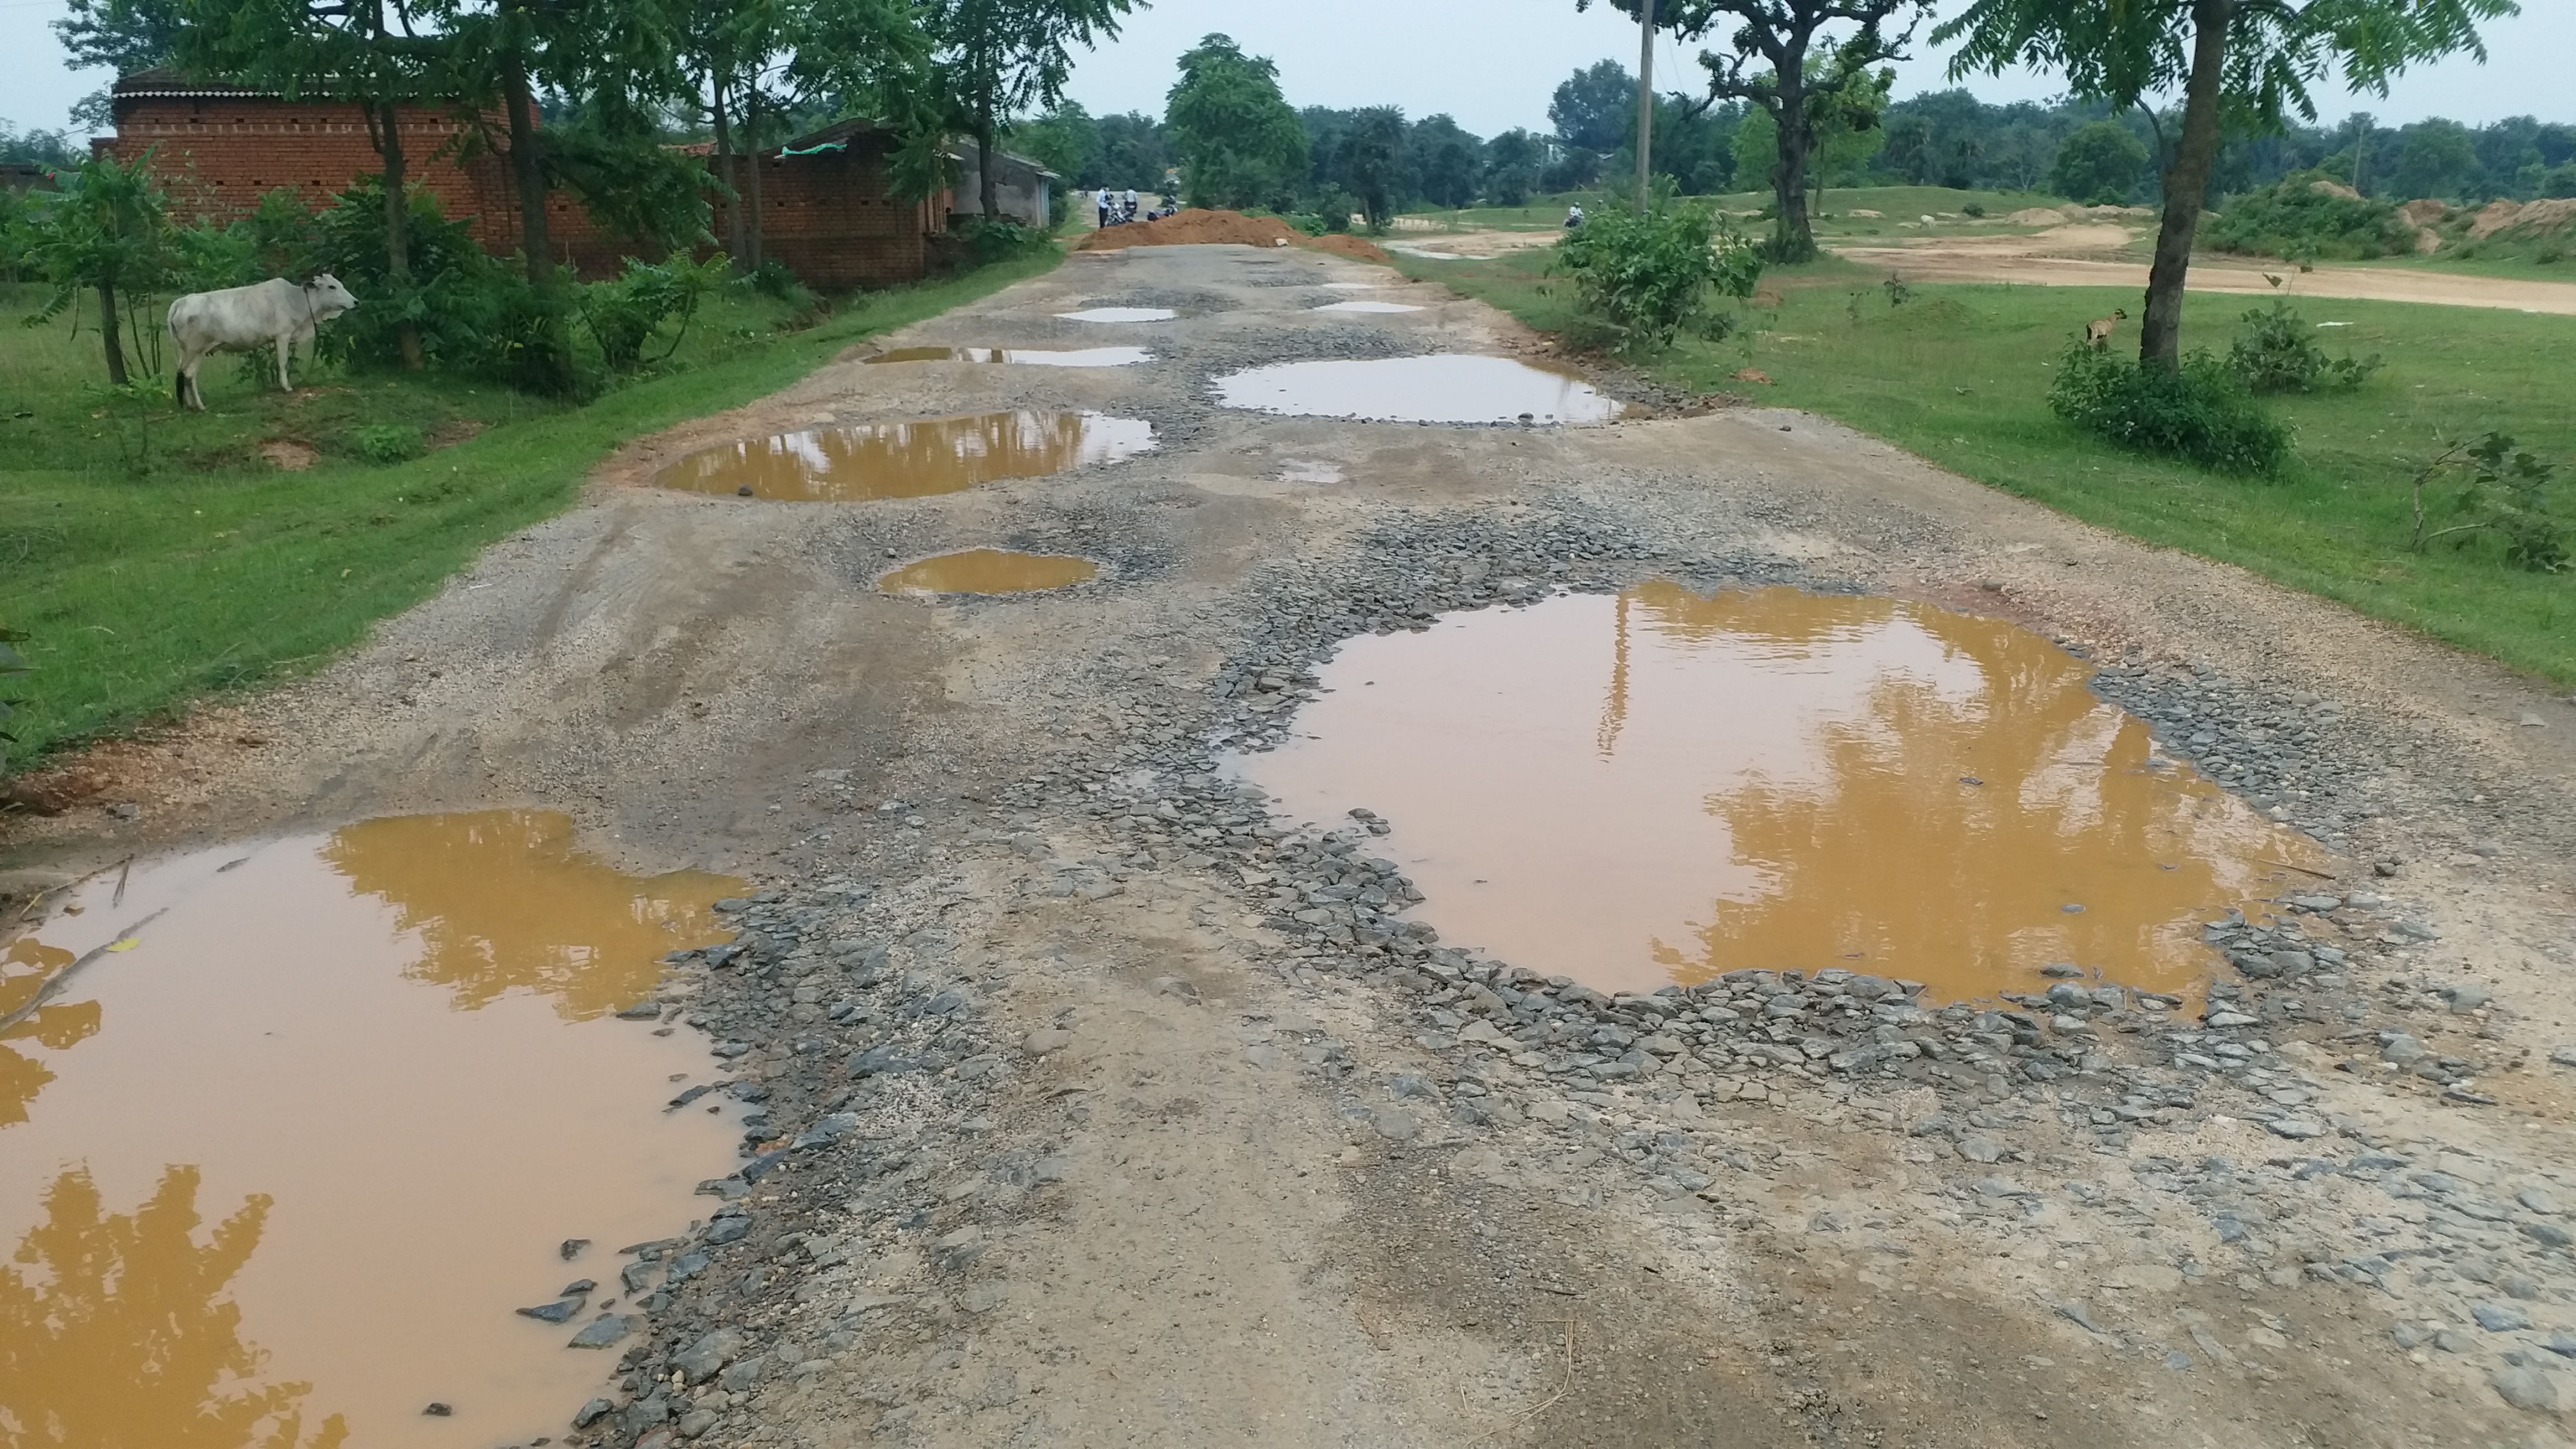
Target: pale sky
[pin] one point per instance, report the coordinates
(1490, 63)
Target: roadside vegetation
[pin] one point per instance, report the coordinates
(1961, 376)
(148, 556)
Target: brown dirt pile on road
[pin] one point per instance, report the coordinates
(1199, 228)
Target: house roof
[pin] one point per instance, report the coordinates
(164, 82)
(964, 152)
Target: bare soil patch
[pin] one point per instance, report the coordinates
(1196, 227)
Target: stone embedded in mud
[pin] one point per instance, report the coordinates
(605, 1330)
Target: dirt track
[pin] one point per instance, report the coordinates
(1140, 1162)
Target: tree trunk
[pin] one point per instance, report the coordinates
(1793, 236)
(988, 190)
(398, 229)
(108, 324)
(731, 176)
(751, 139)
(2186, 187)
(528, 173)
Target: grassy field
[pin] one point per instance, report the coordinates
(214, 568)
(1893, 203)
(1958, 375)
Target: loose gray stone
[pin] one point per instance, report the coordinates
(1397, 1125)
(702, 1359)
(2526, 1388)
(559, 1311)
(592, 1412)
(606, 1329)
(2500, 1317)
(2297, 1129)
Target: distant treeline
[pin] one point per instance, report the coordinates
(1937, 138)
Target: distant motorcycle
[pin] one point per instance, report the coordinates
(1573, 218)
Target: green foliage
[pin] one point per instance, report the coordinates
(2099, 165)
(2202, 414)
(106, 230)
(388, 443)
(2501, 490)
(1973, 209)
(1371, 156)
(473, 314)
(1334, 208)
(2306, 219)
(1640, 277)
(2435, 158)
(773, 280)
(1239, 143)
(623, 314)
(1512, 162)
(990, 239)
(2276, 352)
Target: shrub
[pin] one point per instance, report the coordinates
(1335, 206)
(1642, 276)
(2276, 352)
(388, 443)
(11, 662)
(2203, 414)
(623, 314)
(1973, 208)
(2501, 490)
(989, 239)
(2302, 220)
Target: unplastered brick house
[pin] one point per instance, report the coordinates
(827, 203)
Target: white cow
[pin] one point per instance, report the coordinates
(238, 319)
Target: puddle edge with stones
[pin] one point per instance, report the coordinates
(912, 458)
(988, 571)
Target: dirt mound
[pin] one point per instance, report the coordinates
(1200, 228)
(2038, 216)
(2423, 212)
(2524, 219)
(2494, 217)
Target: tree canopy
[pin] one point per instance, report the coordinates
(1238, 142)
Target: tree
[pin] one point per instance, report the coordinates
(1766, 65)
(1596, 108)
(123, 36)
(107, 231)
(1065, 140)
(1512, 162)
(2249, 61)
(1132, 152)
(1371, 162)
(2098, 165)
(1447, 161)
(1846, 123)
(1238, 142)
(1002, 56)
(2436, 158)
(377, 54)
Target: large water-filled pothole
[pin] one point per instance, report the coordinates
(909, 459)
(1659, 787)
(1024, 356)
(1446, 388)
(1365, 305)
(313, 1117)
(988, 571)
(1120, 314)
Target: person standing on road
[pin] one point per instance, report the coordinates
(1104, 208)
(1131, 203)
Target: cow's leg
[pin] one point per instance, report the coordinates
(285, 350)
(189, 397)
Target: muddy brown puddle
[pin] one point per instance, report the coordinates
(1023, 356)
(278, 1172)
(1658, 787)
(988, 571)
(908, 459)
(1447, 388)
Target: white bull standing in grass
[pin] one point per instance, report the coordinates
(238, 319)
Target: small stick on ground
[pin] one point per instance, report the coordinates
(1564, 1386)
(2301, 869)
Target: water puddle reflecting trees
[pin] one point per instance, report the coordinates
(1662, 787)
(278, 1173)
(1120, 314)
(908, 459)
(1447, 388)
(988, 571)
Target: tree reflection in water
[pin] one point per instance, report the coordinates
(26, 964)
(502, 900)
(122, 1339)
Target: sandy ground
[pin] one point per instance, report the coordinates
(1189, 1177)
(2086, 256)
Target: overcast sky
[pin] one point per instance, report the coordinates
(1490, 63)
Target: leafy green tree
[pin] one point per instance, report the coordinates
(1595, 109)
(1065, 140)
(1132, 152)
(1765, 64)
(1238, 142)
(1002, 56)
(122, 36)
(106, 230)
(1448, 163)
(2098, 165)
(1372, 162)
(2436, 158)
(1512, 162)
(2246, 60)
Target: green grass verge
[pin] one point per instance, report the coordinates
(1959, 376)
(215, 569)
(1893, 203)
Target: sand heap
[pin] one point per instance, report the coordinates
(1196, 227)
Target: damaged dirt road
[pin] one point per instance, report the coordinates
(1103, 1104)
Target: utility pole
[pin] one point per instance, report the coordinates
(1645, 95)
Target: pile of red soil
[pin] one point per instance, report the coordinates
(1198, 228)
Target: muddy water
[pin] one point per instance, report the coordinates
(1661, 787)
(1440, 389)
(908, 460)
(1025, 356)
(278, 1172)
(1120, 314)
(988, 571)
(1364, 305)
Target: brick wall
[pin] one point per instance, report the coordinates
(831, 217)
